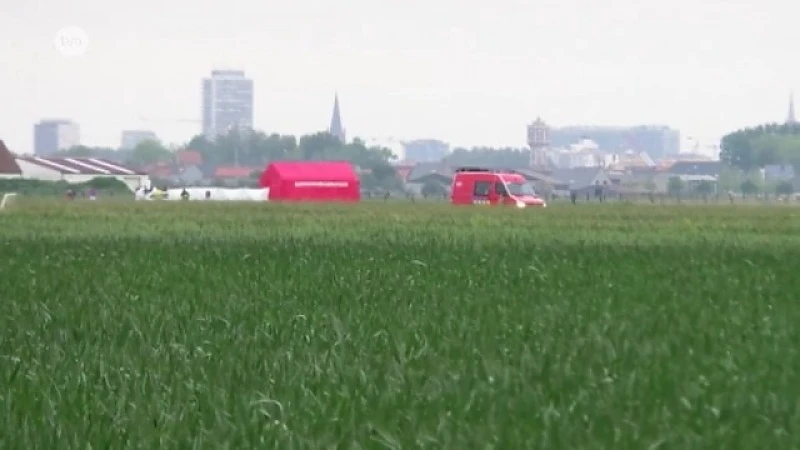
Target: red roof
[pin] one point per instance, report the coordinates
(314, 170)
(233, 172)
(403, 172)
(8, 164)
(189, 158)
(81, 166)
(160, 170)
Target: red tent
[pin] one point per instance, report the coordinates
(321, 181)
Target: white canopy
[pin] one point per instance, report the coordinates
(217, 194)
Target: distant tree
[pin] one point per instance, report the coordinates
(318, 146)
(749, 187)
(704, 189)
(675, 186)
(201, 144)
(149, 152)
(784, 188)
(78, 151)
(730, 178)
(754, 148)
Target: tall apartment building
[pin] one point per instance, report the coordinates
(52, 135)
(132, 138)
(658, 141)
(227, 102)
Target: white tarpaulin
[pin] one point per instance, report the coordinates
(216, 194)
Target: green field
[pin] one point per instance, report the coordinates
(194, 325)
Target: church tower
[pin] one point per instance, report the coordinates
(790, 118)
(336, 128)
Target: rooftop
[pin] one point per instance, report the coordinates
(80, 166)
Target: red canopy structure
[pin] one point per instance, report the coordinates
(320, 181)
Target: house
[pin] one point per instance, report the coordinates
(186, 158)
(779, 173)
(8, 164)
(429, 172)
(234, 175)
(79, 170)
(709, 168)
(691, 183)
(659, 183)
(188, 176)
(163, 170)
(692, 174)
(542, 182)
(403, 170)
(580, 179)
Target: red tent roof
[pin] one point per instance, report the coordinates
(314, 170)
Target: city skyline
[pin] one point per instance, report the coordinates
(468, 76)
(658, 141)
(336, 128)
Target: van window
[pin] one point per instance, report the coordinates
(482, 188)
(500, 188)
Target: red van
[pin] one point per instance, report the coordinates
(478, 186)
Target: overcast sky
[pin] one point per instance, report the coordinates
(471, 73)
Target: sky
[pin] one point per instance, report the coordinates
(470, 73)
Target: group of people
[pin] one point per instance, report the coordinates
(160, 194)
(185, 195)
(71, 194)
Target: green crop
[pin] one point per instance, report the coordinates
(200, 325)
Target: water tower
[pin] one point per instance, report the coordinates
(539, 142)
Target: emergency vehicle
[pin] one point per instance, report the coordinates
(480, 186)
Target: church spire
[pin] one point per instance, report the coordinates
(336, 128)
(790, 118)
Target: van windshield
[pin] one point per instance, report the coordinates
(520, 189)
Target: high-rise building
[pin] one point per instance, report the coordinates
(658, 141)
(790, 118)
(132, 138)
(227, 103)
(52, 135)
(336, 128)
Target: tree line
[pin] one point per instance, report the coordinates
(257, 149)
(754, 148)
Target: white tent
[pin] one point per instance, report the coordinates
(216, 194)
